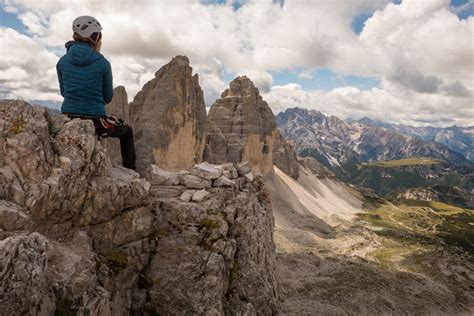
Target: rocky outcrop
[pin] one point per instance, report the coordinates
(81, 237)
(419, 194)
(169, 118)
(442, 193)
(284, 156)
(120, 108)
(217, 250)
(241, 128)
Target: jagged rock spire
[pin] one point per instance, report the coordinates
(169, 118)
(242, 127)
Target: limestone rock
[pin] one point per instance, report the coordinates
(211, 247)
(166, 191)
(187, 195)
(419, 194)
(200, 195)
(223, 181)
(241, 128)
(243, 168)
(249, 176)
(80, 237)
(120, 108)
(284, 156)
(13, 217)
(229, 170)
(169, 118)
(155, 175)
(40, 277)
(207, 171)
(61, 177)
(195, 182)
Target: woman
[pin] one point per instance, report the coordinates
(85, 81)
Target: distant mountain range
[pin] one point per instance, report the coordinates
(386, 159)
(459, 139)
(335, 142)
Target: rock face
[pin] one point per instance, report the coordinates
(419, 194)
(120, 108)
(119, 105)
(284, 156)
(81, 237)
(241, 128)
(211, 246)
(169, 118)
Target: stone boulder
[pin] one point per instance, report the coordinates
(169, 118)
(242, 127)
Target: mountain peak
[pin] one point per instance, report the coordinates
(241, 86)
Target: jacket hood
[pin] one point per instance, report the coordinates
(81, 54)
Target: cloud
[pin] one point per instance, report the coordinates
(27, 69)
(420, 45)
(388, 105)
(306, 75)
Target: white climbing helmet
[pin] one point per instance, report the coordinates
(85, 26)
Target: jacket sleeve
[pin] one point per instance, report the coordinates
(108, 89)
(60, 79)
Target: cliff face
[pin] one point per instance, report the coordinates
(284, 156)
(242, 127)
(81, 237)
(169, 118)
(119, 107)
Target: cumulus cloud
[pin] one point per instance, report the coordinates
(421, 45)
(27, 69)
(419, 50)
(389, 105)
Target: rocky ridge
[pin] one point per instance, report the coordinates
(79, 236)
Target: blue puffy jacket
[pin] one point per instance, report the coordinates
(85, 80)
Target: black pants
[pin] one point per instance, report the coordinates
(123, 132)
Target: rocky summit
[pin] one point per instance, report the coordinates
(242, 127)
(80, 237)
(169, 118)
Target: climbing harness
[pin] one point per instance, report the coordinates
(104, 125)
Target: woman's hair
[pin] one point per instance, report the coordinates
(92, 40)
